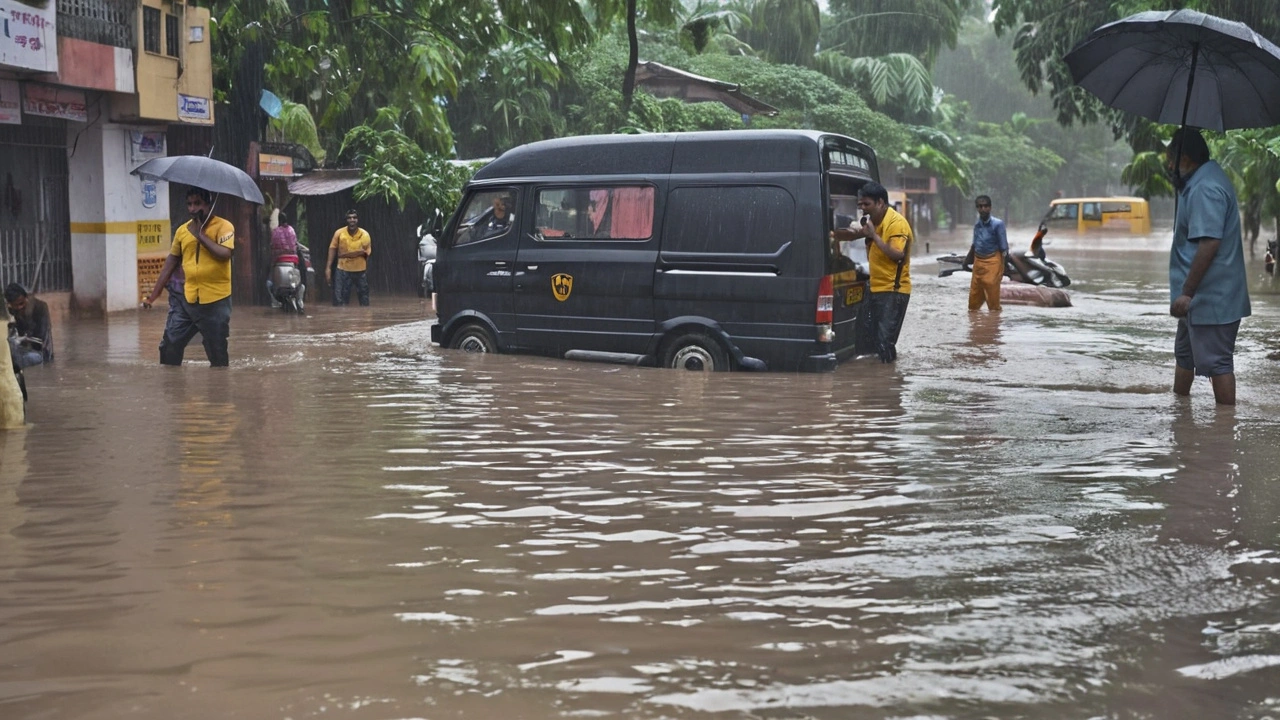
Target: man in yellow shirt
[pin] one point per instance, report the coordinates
(888, 236)
(351, 247)
(203, 247)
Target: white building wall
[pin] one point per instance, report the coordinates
(107, 205)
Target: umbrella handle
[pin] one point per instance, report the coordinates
(1191, 79)
(1186, 105)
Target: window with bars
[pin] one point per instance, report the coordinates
(106, 22)
(151, 29)
(171, 36)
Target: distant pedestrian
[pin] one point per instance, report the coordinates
(351, 247)
(987, 256)
(1208, 287)
(202, 246)
(888, 236)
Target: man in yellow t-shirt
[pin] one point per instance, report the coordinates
(351, 247)
(202, 246)
(888, 236)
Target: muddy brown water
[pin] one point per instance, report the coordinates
(1018, 520)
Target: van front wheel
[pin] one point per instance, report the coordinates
(695, 351)
(473, 339)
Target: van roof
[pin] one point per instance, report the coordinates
(1110, 198)
(725, 151)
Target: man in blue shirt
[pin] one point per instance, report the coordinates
(987, 256)
(1208, 290)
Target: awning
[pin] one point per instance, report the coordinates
(668, 82)
(325, 182)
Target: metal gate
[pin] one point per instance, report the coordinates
(35, 217)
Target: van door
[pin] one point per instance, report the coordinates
(475, 272)
(584, 269)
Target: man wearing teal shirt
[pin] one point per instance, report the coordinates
(1208, 290)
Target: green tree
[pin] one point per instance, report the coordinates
(873, 28)
(707, 24)
(786, 31)
(658, 12)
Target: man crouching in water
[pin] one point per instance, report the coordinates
(203, 247)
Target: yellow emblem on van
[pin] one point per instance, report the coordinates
(561, 286)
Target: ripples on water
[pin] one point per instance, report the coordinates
(1016, 521)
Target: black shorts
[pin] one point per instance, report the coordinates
(1209, 350)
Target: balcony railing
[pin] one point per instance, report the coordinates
(107, 22)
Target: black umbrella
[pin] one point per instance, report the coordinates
(1182, 67)
(202, 172)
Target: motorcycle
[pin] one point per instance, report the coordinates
(1032, 267)
(17, 369)
(287, 284)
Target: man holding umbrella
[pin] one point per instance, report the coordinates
(1198, 71)
(203, 247)
(1208, 288)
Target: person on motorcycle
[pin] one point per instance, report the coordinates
(987, 256)
(285, 250)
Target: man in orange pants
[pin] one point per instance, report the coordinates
(987, 255)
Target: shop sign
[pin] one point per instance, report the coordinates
(191, 107)
(54, 102)
(153, 250)
(152, 236)
(29, 35)
(275, 165)
(10, 103)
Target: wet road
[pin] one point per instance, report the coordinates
(1018, 521)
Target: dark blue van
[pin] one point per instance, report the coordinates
(702, 251)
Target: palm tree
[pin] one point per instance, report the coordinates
(709, 22)
(876, 27)
(786, 31)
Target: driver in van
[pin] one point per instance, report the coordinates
(499, 219)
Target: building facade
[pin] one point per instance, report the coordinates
(88, 91)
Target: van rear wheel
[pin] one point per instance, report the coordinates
(695, 351)
(473, 338)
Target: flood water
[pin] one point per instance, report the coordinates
(1019, 520)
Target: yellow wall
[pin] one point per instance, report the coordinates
(161, 78)
(197, 78)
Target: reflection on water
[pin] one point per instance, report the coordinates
(1018, 520)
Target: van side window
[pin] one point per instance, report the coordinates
(729, 220)
(1116, 207)
(489, 214)
(595, 213)
(1092, 211)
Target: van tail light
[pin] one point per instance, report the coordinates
(826, 300)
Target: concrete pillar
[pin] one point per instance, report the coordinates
(113, 216)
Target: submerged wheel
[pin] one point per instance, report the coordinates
(473, 338)
(695, 351)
